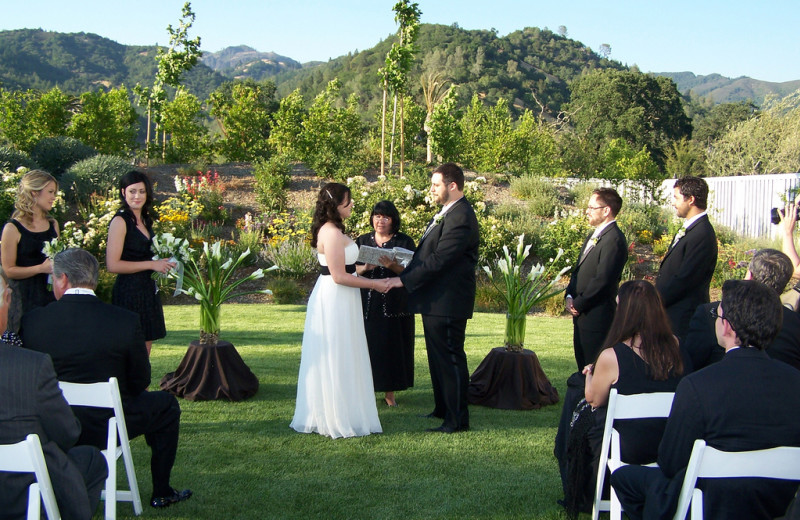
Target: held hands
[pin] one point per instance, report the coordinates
(588, 370)
(382, 285)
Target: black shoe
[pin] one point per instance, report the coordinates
(175, 497)
(431, 415)
(447, 429)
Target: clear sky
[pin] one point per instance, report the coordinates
(756, 38)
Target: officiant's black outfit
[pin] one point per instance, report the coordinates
(388, 323)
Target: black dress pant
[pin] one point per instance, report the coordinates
(156, 415)
(444, 339)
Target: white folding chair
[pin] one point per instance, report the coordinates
(707, 462)
(27, 457)
(636, 406)
(106, 395)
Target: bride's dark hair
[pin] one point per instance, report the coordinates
(330, 197)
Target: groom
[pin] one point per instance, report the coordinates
(441, 283)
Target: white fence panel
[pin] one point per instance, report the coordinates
(741, 203)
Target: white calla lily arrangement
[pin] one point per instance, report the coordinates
(521, 292)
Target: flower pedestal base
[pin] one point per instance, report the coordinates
(209, 372)
(511, 381)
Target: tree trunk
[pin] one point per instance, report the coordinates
(383, 131)
(402, 137)
(394, 127)
(427, 127)
(147, 139)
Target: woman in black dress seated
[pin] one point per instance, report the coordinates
(641, 355)
(387, 322)
(128, 254)
(23, 238)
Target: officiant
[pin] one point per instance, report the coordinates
(388, 323)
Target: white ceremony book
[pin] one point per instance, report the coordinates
(371, 255)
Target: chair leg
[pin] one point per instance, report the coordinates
(133, 485)
(34, 502)
(616, 507)
(110, 493)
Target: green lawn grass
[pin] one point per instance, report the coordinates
(243, 461)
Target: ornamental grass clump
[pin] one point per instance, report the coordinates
(521, 292)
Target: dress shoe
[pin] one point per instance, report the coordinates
(431, 416)
(175, 497)
(447, 429)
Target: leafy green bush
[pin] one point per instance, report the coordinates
(567, 233)
(8, 191)
(487, 299)
(294, 258)
(11, 159)
(286, 291)
(57, 154)
(581, 193)
(252, 240)
(96, 174)
(529, 187)
(643, 223)
(272, 180)
(517, 219)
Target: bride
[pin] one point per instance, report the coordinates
(335, 396)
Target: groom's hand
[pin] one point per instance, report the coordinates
(570, 307)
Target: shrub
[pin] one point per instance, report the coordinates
(294, 258)
(518, 220)
(176, 214)
(252, 240)
(554, 305)
(732, 262)
(642, 223)
(272, 180)
(581, 193)
(286, 291)
(206, 190)
(529, 187)
(57, 154)
(8, 191)
(487, 299)
(11, 159)
(96, 174)
(567, 233)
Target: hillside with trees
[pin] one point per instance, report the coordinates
(729, 90)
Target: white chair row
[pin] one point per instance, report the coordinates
(106, 395)
(620, 407)
(26, 456)
(705, 461)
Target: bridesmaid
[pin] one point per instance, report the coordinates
(128, 254)
(22, 241)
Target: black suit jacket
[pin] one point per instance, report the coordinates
(594, 281)
(32, 403)
(117, 349)
(440, 278)
(685, 275)
(747, 401)
(701, 345)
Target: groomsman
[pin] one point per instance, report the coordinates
(687, 268)
(592, 291)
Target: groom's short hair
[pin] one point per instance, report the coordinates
(451, 172)
(610, 198)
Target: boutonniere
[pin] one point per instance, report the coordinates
(679, 235)
(437, 218)
(592, 242)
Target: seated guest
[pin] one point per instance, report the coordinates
(747, 401)
(772, 268)
(91, 341)
(641, 355)
(33, 403)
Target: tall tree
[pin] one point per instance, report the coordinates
(434, 89)
(106, 121)
(641, 109)
(244, 111)
(181, 55)
(394, 74)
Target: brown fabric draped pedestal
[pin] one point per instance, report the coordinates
(511, 381)
(209, 372)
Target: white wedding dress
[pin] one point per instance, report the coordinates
(335, 396)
